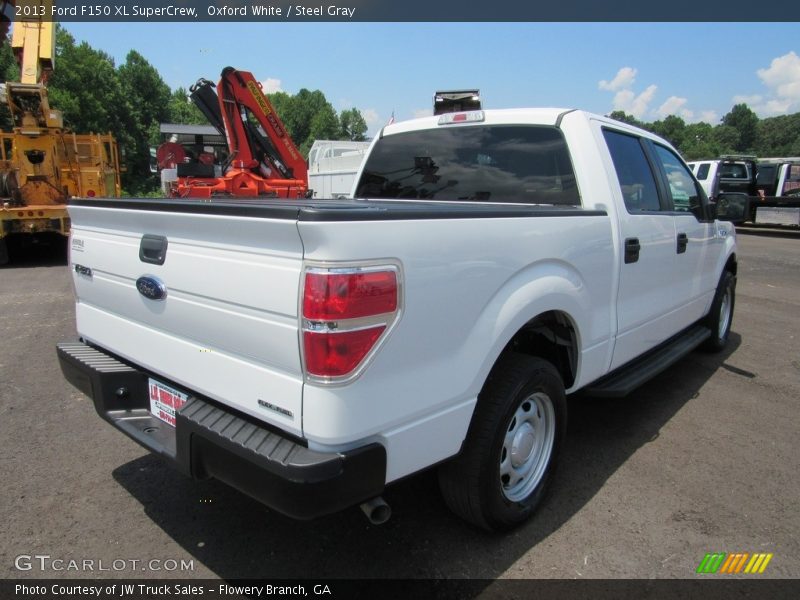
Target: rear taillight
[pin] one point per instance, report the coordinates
(333, 296)
(346, 313)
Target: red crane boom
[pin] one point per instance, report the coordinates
(263, 160)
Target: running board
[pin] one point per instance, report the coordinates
(627, 378)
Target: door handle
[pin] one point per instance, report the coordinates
(683, 241)
(632, 247)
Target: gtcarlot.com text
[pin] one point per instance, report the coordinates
(45, 562)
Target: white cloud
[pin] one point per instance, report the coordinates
(624, 79)
(779, 107)
(633, 104)
(709, 116)
(750, 100)
(638, 104)
(782, 80)
(371, 116)
(674, 106)
(422, 112)
(270, 86)
(783, 77)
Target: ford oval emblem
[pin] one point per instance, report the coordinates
(151, 287)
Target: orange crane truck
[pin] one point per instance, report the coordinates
(262, 160)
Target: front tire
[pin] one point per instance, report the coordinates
(512, 445)
(720, 317)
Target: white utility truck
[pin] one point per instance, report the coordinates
(333, 166)
(311, 352)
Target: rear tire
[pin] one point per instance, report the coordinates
(720, 316)
(3, 252)
(512, 446)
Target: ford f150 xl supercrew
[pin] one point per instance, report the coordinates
(310, 352)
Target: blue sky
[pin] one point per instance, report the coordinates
(696, 70)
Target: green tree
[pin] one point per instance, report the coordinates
(9, 71)
(698, 142)
(778, 136)
(324, 126)
(352, 125)
(672, 129)
(281, 102)
(727, 138)
(180, 109)
(621, 115)
(308, 116)
(149, 99)
(745, 122)
(86, 88)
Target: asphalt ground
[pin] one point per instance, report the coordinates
(704, 458)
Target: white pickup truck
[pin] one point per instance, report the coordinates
(311, 352)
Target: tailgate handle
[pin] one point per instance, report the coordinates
(153, 249)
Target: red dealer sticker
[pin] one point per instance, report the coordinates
(165, 401)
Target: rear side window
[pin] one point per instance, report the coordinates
(633, 171)
(490, 163)
(733, 171)
(702, 171)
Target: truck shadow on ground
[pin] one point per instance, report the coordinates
(47, 251)
(236, 537)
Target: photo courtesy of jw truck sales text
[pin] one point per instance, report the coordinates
(188, 590)
(311, 353)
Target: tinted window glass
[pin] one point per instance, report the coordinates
(633, 171)
(766, 175)
(494, 163)
(682, 187)
(733, 171)
(702, 171)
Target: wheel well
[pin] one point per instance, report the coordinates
(550, 336)
(731, 265)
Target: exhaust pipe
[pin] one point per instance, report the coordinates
(377, 511)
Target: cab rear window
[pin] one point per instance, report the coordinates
(490, 163)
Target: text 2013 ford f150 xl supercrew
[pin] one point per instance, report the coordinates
(310, 352)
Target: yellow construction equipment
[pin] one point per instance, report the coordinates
(41, 163)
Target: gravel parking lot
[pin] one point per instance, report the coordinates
(702, 459)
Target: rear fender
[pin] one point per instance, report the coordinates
(539, 288)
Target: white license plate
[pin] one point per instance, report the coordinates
(165, 401)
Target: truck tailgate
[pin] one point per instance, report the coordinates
(227, 326)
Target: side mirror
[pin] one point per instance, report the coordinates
(733, 207)
(712, 211)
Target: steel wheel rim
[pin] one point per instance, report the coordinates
(527, 446)
(724, 313)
